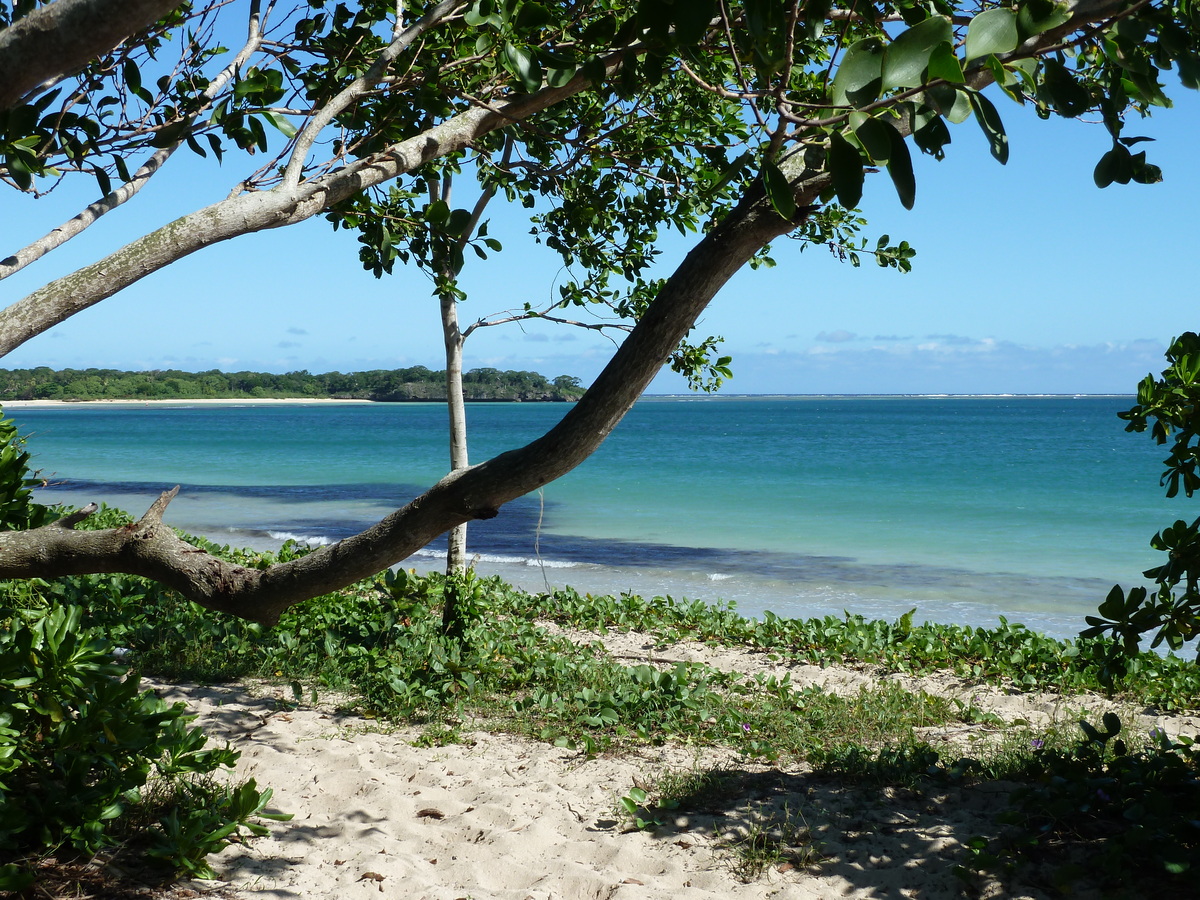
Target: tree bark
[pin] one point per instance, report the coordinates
(456, 547)
(151, 549)
(284, 205)
(63, 37)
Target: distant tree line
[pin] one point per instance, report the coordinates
(386, 385)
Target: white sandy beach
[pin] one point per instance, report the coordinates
(502, 817)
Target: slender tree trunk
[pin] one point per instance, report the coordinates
(456, 552)
(453, 621)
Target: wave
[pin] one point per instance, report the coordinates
(313, 540)
(532, 562)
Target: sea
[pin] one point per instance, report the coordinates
(964, 509)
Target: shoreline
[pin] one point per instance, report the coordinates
(203, 401)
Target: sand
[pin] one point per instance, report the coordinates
(496, 816)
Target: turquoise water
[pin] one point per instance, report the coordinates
(965, 509)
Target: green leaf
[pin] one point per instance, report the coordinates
(846, 167)
(900, 168)
(989, 121)
(1069, 97)
(282, 123)
(102, 180)
(437, 213)
(944, 64)
(482, 12)
(458, 221)
(932, 137)
(993, 31)
(169, 136)
(907, 57)
(779, 191)
(950, 102)
(692, 19)
(860, 76)
(522, 65)
(533, 15)
(876, 138)
(123, 169)
(1037, 16)
(132, 75)
(1116, 165)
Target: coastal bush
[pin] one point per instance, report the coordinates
(1169, 406)
(17, 509)
(1109, 810)
(89, 764)
(409, 384)
(382, 643)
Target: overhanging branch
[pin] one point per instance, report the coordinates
(151, 549)
(65, 36)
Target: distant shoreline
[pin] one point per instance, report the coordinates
(206, 401)
(333, 401)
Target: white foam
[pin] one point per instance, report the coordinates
(718, 576)
(550, 564)
(313, 540)
(497, 559)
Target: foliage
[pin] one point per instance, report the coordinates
(1134, 799)
(88, 763)
(382, 641)
(17, 509)
(414, 383)
(762, 78)
(1167, 405)
(612, 120)
(1009, 652)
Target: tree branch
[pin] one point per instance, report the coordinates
(64, 37)
(248, 213)
(362, 85)
(78, 224)
(150, 549)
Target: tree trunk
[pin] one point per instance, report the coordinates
(453, 623)
(151, 549)
(456, 552)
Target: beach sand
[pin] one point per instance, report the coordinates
(498, 816)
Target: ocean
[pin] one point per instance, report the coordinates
(964, 509)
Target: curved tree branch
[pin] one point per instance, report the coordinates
(64, 37)
(248, 213)
(31, 253)
(151, 549)
(362, 85)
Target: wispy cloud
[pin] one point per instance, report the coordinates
(937, 365)
(840, 336)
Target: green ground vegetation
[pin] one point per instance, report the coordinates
(1127, 799)
(91, 765)
(386, 385)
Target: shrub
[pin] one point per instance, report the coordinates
(88, 762)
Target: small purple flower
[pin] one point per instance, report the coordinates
(1157, 733)
(746, 727)
(1037, 743)
(1103, 795)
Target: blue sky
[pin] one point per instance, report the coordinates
(1027, 279)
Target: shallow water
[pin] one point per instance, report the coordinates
(963, 508)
